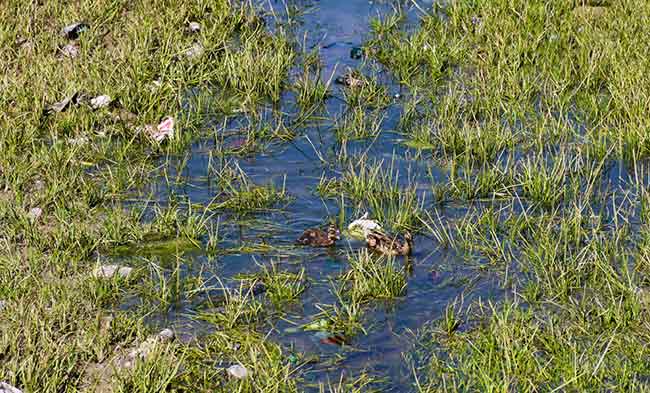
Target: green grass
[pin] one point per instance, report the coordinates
(531, 116)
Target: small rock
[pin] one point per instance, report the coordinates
(39, 185)
(100, 101)
(195, 51)
(194, 27)
(73, 31)
(238, 371)
(6, 388)
(35, 213)
(82, 140)
(23, 43)
(109, 271)
(70, 50)
(126, 117)
(3, 304)
(144, 351)
(356, 53)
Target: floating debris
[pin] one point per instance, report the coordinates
(100, 102)
(163, 131)
(6, 388)
(35, 213)
(73, 31)
(195, 51)
(362, 226)
(330, 338)
(194, 27)
(70, 50)
(350, 80)
(238, 371)
(356, 53)
(109, 271)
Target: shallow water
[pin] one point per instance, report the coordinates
(435, 277)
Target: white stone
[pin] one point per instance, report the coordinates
(35, 213)
(70, 50)
(100, 101)
(196, 50)
(144, 350)
(238, 371)
(194, 27)
(108, 271)
(6, 388)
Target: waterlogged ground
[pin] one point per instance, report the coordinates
(509, 137)
(435, 277)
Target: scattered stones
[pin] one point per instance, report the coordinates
(109, 271)
(194, 27)
(144, 350)
(35, 213)
(70, 50)
(238, 371)
(100, 102)
(356, 53)
(6, 388)
(195, 51)
(73, 31)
